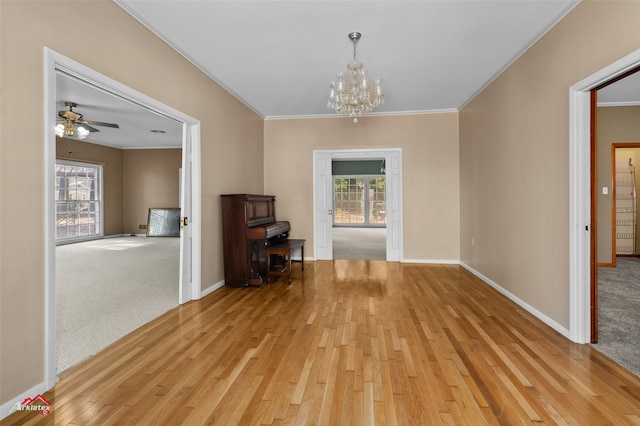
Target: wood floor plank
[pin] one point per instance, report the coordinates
(347, 342)
(339, 387)
(329, 388)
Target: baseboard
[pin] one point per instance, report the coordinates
(425, 261)
(124, 235)
(524, 305)
(211, 289)
(432, 261)
(5, 409)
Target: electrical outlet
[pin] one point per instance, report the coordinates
(142, 226)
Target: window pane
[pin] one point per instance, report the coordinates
(377, 205)
(76, 216)
(360, 200)
(349, 200)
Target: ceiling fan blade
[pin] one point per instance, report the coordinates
(89, 128)
(99, 123)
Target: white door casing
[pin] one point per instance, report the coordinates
(190, 253)
(323, 198)
(580, 194)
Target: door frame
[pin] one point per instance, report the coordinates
(615, 146)
(323, 198)
(581, 210)
(54, 62)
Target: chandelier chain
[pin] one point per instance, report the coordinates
(355, 44)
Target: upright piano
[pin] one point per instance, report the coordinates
(248, 226)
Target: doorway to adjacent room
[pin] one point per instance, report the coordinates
(189, 269)
(363, 199)
(359, 205)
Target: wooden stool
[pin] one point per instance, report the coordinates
(284, 249)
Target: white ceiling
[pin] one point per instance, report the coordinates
(135, 122)
(625, 92)
(278, 57)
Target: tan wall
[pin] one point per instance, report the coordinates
(151, 180)
(615, 125)
(429, 145)
(514, 143)
(108, 40)
(111, 160)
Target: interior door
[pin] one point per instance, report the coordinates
(186, 233)
(393, 170)
(323, 206)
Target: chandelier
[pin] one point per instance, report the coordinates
(353, 93)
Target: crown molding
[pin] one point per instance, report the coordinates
(618, 104)
(375, 114)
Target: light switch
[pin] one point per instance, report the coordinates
(605, 190)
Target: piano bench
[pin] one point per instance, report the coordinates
(284, 249)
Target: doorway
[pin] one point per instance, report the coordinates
(624, 158)
(189, 286)
(618, 272)
(614, 208)
(323, 198)
(359, 205)
(582, 220)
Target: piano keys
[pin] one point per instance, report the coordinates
(248, 226)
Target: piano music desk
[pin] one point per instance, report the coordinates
(284, 249)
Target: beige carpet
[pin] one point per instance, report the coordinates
(107, 288)
(359, 243)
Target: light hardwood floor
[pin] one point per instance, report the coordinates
(353, 342)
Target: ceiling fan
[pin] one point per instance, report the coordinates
(74, 125)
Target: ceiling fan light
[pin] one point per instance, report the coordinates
(81, 132)
(60, 129)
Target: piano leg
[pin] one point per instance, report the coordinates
(256, 262)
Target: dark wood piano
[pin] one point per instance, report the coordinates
(248, 226)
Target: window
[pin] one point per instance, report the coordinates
(359, 201)
(78, 201)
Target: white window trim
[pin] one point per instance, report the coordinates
(100, 233)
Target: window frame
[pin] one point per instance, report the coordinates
(366, 201)
(99, 193)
